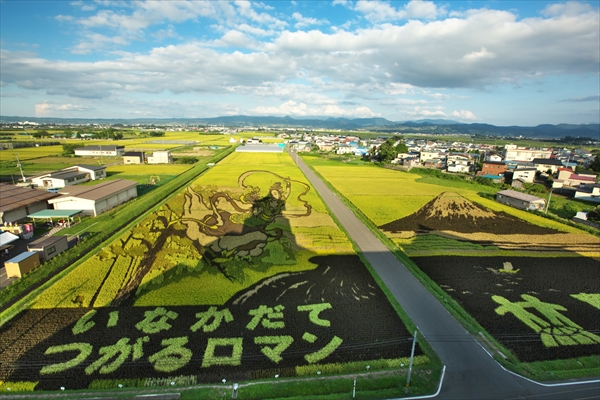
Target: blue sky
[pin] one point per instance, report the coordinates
(497, 62)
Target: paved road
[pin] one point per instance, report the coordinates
(471, 372)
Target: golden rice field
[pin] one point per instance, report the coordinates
(27, 153)
(385, 195)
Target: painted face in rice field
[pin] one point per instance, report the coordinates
(240, 225)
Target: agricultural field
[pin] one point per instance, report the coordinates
(242, 275)
(532, 283)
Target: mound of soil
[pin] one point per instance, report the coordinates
(452, 212)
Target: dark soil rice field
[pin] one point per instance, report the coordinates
(352, 321)
(472, 281)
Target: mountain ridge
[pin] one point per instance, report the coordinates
(424, 126)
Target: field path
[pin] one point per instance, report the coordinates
(471, 372)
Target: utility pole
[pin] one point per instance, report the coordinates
(548, 202)
(412, 354)
(20, 168)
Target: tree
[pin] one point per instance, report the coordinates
(387, 151)
(595, 165)
(40, 134)
(187, 160)
(69, 149)
(401, 148)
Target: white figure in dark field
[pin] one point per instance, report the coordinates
(239, 227)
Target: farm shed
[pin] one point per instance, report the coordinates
(18, 266)
(70, 176)
(160, 157)
(50, 215)
(520, 200)
(48, 247)
(94, 200)
(134, 157)
(16, 202)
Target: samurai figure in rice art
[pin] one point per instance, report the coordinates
(239, 225)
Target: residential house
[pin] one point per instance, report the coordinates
(567, 177)
(513, 152)
(526, 174)
(493, 168)
(458, 162)
(545, 164)
(345, 149)
(429, 155)
(434, 163)
(494, 157)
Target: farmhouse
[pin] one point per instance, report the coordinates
(70, 176)
(111, 151)
(94, 200)
(160, 157)
(134, 157)
(17, 202)
(520, 200)
(48, 247)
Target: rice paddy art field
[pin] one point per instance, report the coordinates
(242, 275)
(532, 283)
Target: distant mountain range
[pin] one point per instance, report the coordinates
(425, 126)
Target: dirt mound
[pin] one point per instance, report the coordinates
(452, 212)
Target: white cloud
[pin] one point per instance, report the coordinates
(464, 115)
(302, 109)
(46, 108)
(63, 18)
(570, 8)
(304, 22)
(478, 55)
(418, 113)
(377, 11)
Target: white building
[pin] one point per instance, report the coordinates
(160, 157)
(70, 176)
(458, 163)
(525, 174)
(110, 151)
(94, 200)
(514, 153)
